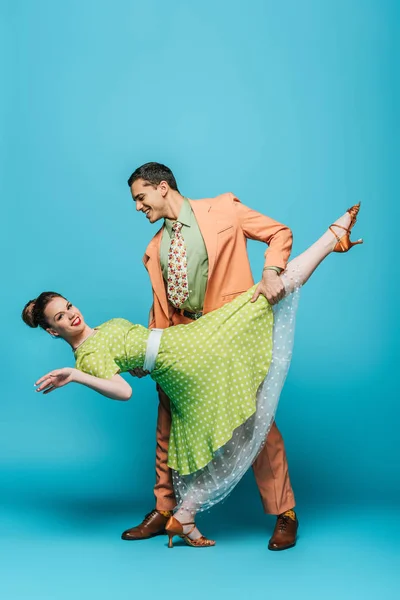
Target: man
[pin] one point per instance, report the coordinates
(211, 234)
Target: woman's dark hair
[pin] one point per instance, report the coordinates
(33, 313)
(154, 173)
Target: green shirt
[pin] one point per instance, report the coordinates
(197, 258)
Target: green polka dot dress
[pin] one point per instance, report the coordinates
(211, 370)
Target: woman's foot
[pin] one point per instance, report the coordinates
(335, 239)
(192, 534)
(188, 532)
(186, 519)
(339, 232)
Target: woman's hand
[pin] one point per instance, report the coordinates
(55, 379)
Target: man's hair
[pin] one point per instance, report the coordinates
(154, 173)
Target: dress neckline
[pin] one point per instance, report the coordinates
(95, 330)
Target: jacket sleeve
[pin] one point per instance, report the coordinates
(256, 226)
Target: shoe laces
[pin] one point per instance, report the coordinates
(149, 516)
(283, 522)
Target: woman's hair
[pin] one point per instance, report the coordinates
(33, 313)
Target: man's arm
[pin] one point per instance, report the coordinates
(257, 226)
(279, 239)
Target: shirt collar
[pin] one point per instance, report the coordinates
(185, 216)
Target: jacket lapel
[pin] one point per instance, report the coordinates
(152, 263)
(207, 225)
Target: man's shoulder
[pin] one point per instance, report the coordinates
(227, 198)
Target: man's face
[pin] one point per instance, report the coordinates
(150, 199)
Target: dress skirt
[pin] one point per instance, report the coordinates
(223, 374)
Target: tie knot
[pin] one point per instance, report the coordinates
(177, 226)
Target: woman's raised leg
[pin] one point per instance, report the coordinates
(300, 269)
(297, 273)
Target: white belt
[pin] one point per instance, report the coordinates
(153, 345)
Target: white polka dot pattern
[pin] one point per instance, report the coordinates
(211, 370)
(223, 374)
(208, 486)
(117, 346)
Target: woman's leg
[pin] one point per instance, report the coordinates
(300, 269)
(186, 515)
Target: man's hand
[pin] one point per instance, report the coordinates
(138, 372)
(271, 287)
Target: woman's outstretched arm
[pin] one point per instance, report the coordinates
(115, 388)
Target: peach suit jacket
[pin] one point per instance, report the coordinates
(225, 224)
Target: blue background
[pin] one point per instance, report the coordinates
(293, 106)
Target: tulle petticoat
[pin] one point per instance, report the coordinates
(208, 486)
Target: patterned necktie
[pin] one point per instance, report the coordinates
(178, 291)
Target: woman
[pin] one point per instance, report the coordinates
(222, 373)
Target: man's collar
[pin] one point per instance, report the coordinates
(185, 216)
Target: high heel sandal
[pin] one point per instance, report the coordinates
(344, 243)
(174, 527)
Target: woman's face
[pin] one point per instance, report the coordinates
(64, 319)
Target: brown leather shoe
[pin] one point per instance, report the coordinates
(153, 524)
(285, 533)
